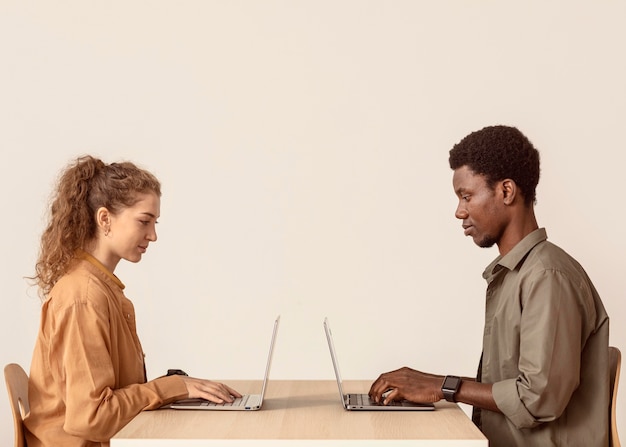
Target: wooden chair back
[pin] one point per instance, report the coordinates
(615, 362)
(17, 387)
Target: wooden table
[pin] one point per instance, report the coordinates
(301, 413)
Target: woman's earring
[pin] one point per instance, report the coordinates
(106, 231)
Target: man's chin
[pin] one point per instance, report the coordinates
(485, 242)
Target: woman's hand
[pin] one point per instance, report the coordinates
(209, 390)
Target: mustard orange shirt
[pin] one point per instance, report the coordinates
(87, 377)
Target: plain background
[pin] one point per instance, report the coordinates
(303, 147)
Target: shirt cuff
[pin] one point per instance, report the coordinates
(169, 389)
(506, 396)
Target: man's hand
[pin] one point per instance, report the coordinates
(407, 384)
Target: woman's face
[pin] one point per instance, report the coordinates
(130, 231)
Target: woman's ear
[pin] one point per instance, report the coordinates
(103, 220)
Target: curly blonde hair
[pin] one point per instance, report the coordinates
(83, 187)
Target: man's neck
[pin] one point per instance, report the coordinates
(520, 226)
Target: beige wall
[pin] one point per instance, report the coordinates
(303, 146)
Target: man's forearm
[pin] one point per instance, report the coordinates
(477, 394)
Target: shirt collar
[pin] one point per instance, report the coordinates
(513, 258)
(80, 254)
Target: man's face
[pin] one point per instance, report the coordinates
(480, 207)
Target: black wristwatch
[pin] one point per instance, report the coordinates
(449, 387)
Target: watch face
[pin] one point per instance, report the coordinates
(451, 383)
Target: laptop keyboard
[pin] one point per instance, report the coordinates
(239, 401)
(364, 400)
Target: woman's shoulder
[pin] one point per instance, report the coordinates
(81, 285)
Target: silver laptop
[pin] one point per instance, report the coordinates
(247, 402)
(363, 401)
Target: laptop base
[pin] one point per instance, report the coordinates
(246, 402)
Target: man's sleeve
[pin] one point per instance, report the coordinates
(551, 338)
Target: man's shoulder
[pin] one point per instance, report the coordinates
(548, 260)
(550, 256)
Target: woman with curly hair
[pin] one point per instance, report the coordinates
(87, 377)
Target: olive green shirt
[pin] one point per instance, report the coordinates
(545, 350)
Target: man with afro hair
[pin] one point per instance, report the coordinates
(543, 377)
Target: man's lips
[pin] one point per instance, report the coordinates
(467, 228)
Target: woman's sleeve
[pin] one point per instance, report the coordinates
(95, 410)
